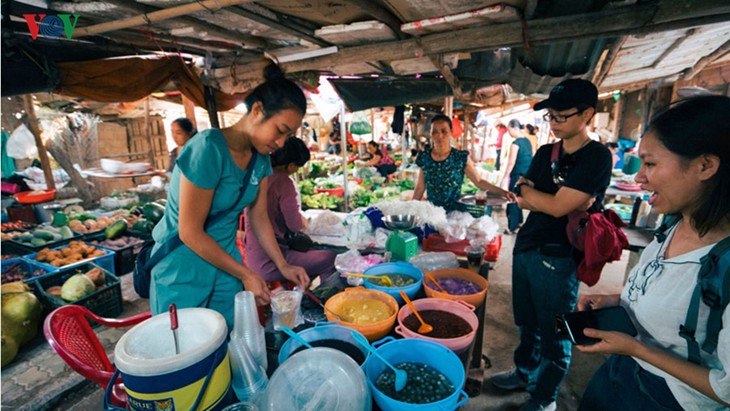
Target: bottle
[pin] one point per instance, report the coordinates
(635, 212)
(643, 214)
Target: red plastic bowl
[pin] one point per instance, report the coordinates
(339, 192)
(34, 197)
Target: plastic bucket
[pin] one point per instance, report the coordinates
(418, 351)
(476, 299)
(322, 331)
(157, 378)
(396, 268)
(459, 308)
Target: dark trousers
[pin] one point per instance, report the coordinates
(496, 162)
(621, 384)
(514, 212)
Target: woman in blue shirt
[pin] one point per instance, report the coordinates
(443, 169)
(206, 271)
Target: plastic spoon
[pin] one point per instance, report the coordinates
(384, 278)
(433, 280)
(288, 331)
(401, 377)
(424, 328)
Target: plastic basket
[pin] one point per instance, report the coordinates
(26, 266)
(104, 261)
(124, 257)
(105, 301)
(435, 242)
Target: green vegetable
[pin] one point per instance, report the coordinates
(66, 232)
(143, 225)
(115, 230)
(59, 219)
(38, 242)
(43, 234)
(153, 212)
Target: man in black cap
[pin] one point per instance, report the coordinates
(544, 281)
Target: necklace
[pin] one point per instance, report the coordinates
(588, 140)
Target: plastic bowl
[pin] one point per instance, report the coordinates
(475, 299)
(112, 166)
(373, 331)
(321, 331)
(138, 167)
(35, 196)
(319, 378)
(418, 351)
(395, 268)
(459, 308)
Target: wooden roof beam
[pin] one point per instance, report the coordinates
(606, 64)
(170, 13)
(307, 35)
(637, 19)
(690, 72)
(381, 14)
(672, 47)
(449, 76)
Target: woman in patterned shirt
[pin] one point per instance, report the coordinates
(443, 169)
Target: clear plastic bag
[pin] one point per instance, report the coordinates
(286, 308)
(353, 262)
(435, 261)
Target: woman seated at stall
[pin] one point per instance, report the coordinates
(182, 131)
(380, 160)
(283, 210)
(689, 175)
(443, 169)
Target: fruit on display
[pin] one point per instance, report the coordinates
(116, 229)
(21, 315)
(43, 235)
(77, 287)
(75, 252)
(153, 212)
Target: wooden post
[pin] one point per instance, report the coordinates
(189, 110)
(36, 131)
(147, 134)
(343, 145)
(618, 112)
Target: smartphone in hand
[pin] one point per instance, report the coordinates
(605, 319)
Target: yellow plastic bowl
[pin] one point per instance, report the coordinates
(476, 299)
(373, 331)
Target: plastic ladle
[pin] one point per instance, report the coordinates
(288, 331)
(384, 278)
(401, 377)
(433, 280)
(319, 302)
(425, 328)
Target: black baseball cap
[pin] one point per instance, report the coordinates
(571, 93)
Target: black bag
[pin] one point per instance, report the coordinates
(142, 273)
(145, 260)
(298, 241)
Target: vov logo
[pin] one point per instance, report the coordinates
(51, 26)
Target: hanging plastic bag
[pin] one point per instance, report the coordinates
(21, 143)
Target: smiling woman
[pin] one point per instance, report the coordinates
(218, 174)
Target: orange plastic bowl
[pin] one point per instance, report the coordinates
(373, 331)
(34, 197)
(476, 299)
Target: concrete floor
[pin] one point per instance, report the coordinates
(500, 339)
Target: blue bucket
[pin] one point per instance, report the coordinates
(322, 331)
(418, 351)
(155, 377)
(396, 268)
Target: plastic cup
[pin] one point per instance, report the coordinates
(475, 256)
(242, 406)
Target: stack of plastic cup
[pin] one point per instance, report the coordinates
(249, 379)
(248, 328)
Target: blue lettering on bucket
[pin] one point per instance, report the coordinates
(167, 404)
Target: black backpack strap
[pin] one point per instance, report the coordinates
(174, 242)
(669, 221)
(714, 278)
(713, 288)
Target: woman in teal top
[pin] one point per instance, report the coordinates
(206, 271)
(520, 157)
(443, 169)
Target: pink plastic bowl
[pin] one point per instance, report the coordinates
(459, 308)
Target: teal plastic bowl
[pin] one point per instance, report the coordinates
(396, 268)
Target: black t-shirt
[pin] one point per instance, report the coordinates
(587, 170)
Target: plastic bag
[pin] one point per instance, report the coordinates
(21, 144)
(286, 308)
(456, 228)
(358, 227)
(353, 262)
(435, 261)
(482, 230)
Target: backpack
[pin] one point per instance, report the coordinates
(713, 288)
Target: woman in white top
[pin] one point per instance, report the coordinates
(686, 165)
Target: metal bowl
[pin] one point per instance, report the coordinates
(399, 221)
